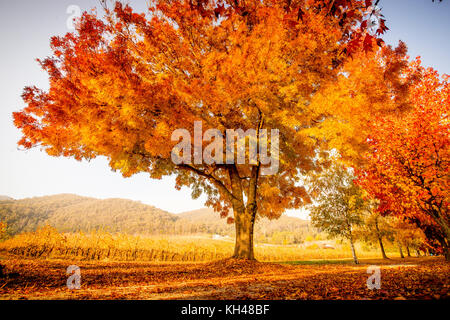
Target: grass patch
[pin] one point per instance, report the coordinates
(320, 262)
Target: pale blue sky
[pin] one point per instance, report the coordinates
(25, 29)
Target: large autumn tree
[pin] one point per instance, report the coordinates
(407, 164)
(121, 83)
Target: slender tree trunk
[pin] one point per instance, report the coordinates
(355, 259)
(418, 252)
(446, 249)
(400, 249)
(383, 253)
(380, 240)
(407, 251)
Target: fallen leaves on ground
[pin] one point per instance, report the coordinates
(413, 278)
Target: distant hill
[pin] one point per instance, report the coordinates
(5, 198)
(114, 215)
(204, 221)
(71, 213)
(208, 221)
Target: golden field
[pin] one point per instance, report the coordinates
(46, 242)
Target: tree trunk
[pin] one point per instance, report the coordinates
(244, 224)
(401, 251)
(380, 240)
(446, 249)
(383, 253)
(407, 251)
(442, 221)
(355, 259)
(418, 252)
(244, 215)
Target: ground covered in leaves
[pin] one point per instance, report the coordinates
(411, 278)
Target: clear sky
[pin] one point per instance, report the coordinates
(25, 29)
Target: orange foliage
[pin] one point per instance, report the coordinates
(408, 158)
(416, 278)
(120, 84)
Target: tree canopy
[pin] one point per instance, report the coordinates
(407, 163)
(122, 82)
(340, 204)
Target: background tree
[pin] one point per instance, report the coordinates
(433, 237)
(407, 164)
(407, 235)
(374, 229)
(120, 85)
(339, 205)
